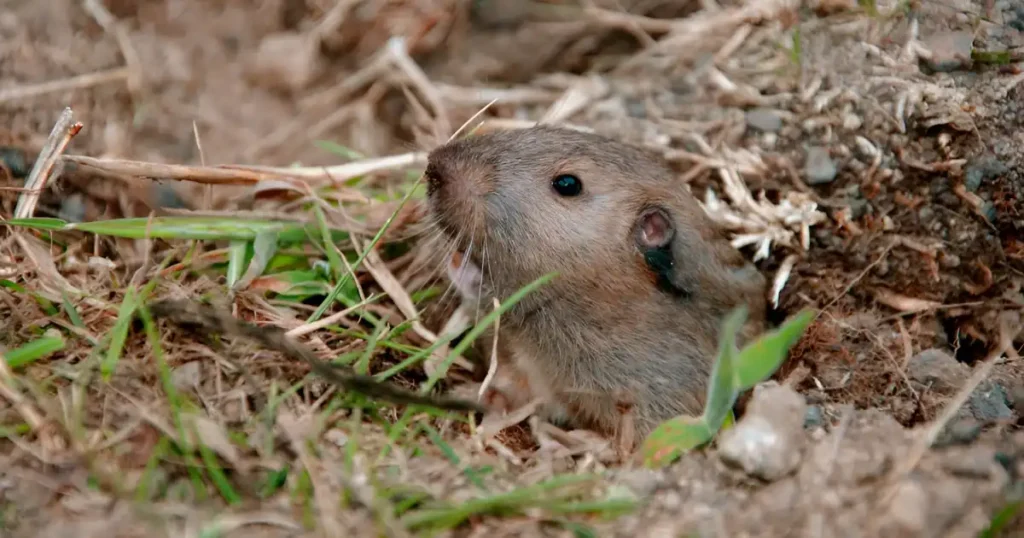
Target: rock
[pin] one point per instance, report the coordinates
(983, 168)
(814, 418)
(186, 377)
(989, 402)
(950, 51)
(937, 369)
(642, 482)
(14, 161)
(1017, 398)
(764, 119)
(768, 442)
(959, 432)
(636, 108)
(819, 167)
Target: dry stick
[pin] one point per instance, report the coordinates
(345, 171)
(400, 57)
(242, 174)
(74, 83)
(693, 30)
(8, 389)
(59, 138)
(63, 131)
(307, 328)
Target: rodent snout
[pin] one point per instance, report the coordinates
(456, 194)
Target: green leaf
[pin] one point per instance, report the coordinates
(119, 334)
(722, 392)
(759, 359)
(39, 223)
(672, 438)
(237, 253)
(33, 351)
(196, 228)
(263, 249)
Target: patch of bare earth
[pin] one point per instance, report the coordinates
(868, 155)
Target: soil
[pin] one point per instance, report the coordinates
(917, 264)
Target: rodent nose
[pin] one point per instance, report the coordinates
(435, 178)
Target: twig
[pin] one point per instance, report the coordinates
(400, 57)
(9, 391)
(244, 174)
(307, 328)
(63, 131)
(74, 83)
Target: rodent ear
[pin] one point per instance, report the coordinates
(654, 232)
(654, 229)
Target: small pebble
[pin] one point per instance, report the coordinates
(13, 159)
(937, 369)
(764, 119)
(951, 51)
(819, 167)
(768, 441)
(636, 108)
(814, 418)
(989, 402)
(981, 169)
(186, 376)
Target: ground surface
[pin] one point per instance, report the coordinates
(896, 128)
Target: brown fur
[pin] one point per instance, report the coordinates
(602, 334)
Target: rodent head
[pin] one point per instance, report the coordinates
(608, 217)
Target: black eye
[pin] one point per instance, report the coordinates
(567, 185)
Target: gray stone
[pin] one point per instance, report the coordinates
(768, 441)
(814, 418)
(819, 167)
(989, 402)
(937, 369)
(950, 51)
(764, 119)
(981, 169)
(14, 160)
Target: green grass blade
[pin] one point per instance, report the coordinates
(119, 334)
(721, 392)
(342, 282)
(38, 223)
(237, 253)
(759, 360)
(33, 351)
(673, 438)
(479, 328)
